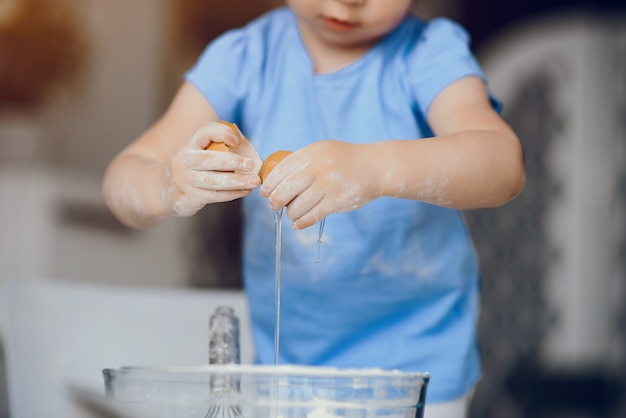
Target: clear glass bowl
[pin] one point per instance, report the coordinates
(252, 391)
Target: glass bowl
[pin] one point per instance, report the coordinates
(255, 391)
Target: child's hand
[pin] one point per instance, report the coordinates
(196, 176)
(322, 178)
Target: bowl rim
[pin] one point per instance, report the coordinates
(267, 369)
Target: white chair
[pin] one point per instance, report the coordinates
(57, 333)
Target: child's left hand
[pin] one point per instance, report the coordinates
(322, 178)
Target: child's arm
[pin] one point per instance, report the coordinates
(475, 160)
(167, 171)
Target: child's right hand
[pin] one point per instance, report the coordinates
(196, 176)
(168, 170)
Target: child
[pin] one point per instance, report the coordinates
(393, 132)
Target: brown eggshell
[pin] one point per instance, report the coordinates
(217, 146)
(245, 148)
(271, 162)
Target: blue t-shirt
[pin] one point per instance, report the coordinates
(397, 283)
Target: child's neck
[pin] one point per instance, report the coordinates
(331, 58)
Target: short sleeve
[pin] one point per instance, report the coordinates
(220, 73)
(441, 57)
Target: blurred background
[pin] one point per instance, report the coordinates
(79, 80)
